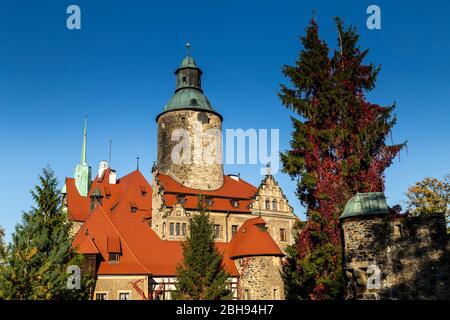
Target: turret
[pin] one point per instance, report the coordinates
(190, 133)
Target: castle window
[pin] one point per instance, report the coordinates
(267, 204)
(183, 229)
(164, 229)
(246, 294)
(234, 229)
(134, 207)
(181, 199)
(101, 296)
(124, 295)
(283, 235)
(177, 230)
(235, 203)
(113, 258)
(171, 229)
(209, 201)
(274, 204)
(217, 231)
(275, 294)
(398, 231)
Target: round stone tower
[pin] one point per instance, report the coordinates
(190, 133)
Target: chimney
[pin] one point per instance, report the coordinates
(103, 165)
(112, 176)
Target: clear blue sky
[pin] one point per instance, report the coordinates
(119, 70)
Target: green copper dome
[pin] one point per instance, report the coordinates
(188, 94)
(363, 204)
(189, 98)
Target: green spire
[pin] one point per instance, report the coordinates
(82, 173)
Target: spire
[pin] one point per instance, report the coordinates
(82, 172)
(83, 148)
(188, 46)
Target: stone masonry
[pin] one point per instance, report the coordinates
(260, 278)
(202, 146)
(402, 257)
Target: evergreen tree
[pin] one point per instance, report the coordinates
(337, 149)
(2, 246)
(40, 253)
(201, 275)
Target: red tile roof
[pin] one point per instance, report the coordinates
(231, 190)
(131, 190)
(78, 206)
(115, 227)
(143, 252)
(252, 240)
(87, 246)
(113, 245)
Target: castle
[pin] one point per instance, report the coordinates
(130, 231)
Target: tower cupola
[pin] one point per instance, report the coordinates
(188, 91)
(190, 133)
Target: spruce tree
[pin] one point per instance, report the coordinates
(337, 149)
(2, 246)
(37, 259)
(201, 276)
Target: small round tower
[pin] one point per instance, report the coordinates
(190, 133)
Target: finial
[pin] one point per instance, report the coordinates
(137, 163)
(188, 46)
(269, 169)
(314, 15)
(110, 150)
(83, 148)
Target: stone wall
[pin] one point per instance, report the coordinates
(260, 278)
(205, 168)
(397, 258)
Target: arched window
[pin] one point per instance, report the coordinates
(274, 204)
(267, 204)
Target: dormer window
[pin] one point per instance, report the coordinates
(181, 199)
(133, 207)
(96, 199)
(143, 191)
(235, 203)
(262, 227)
(113, 258)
